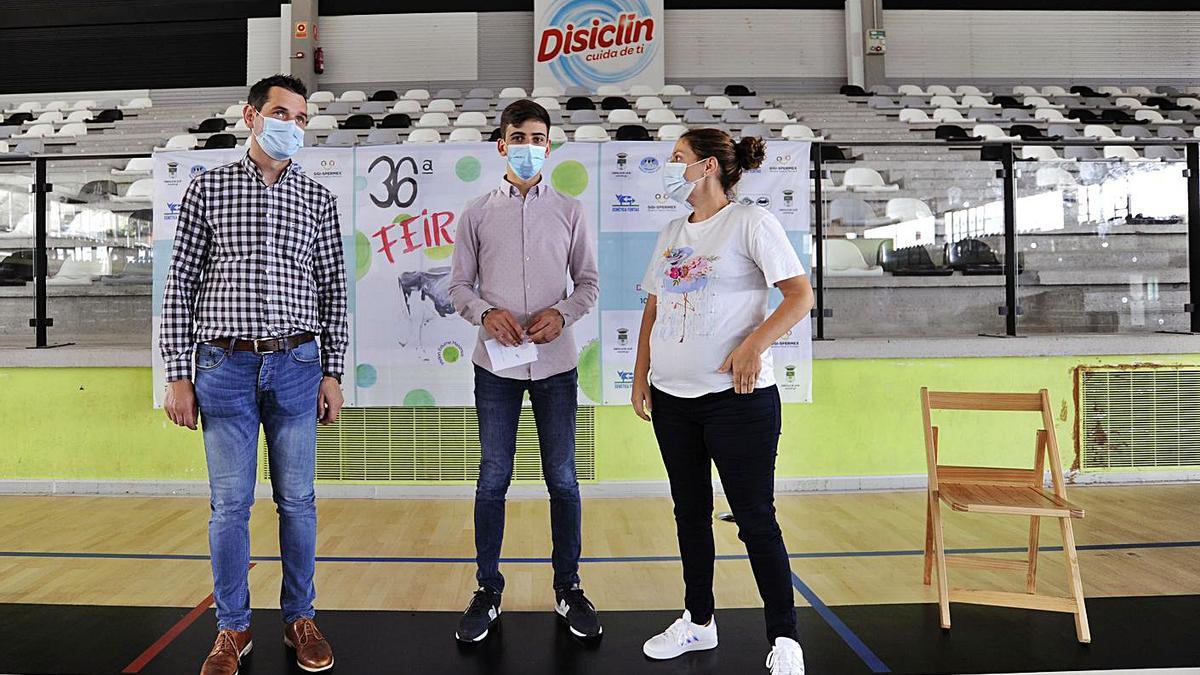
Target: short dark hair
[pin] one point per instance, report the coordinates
(262, 89)
(520, 112)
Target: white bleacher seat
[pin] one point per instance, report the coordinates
(914, 116)
(1055, 90)
(939, 90)
(661, 116)
(991, 132)
(240, 125)
(649, 102)
(321, 97)
(1041, 153)
(674, 90)
(3, 147)
(37, 131)
(1049, 115)
(1102, 132)
(942, 101)
(1192, 90)
(322, 122)
(1025, 90)
(866, 179)
(799, 132)
(513, 92)
(140, 103)
(72, 130)
(609, 90)
(1121, 152)
(1190, 102)
(1056, 177)
(441, 105)
(774, 116)
(1153, 117)
(407, 106)
(950, 115)
(57, 105)
(466, 135)
(1110, 90)
(557, 136)
(49, 117)
(471, 119)
(431, 120)
(416, 95)
(312, 109)
(1139, 91)
(84, 104)
(235, 110)
(77, 273)
(548, 102)
(353, 95)
(672, 132)
(136, 166)
(180, 142)
(1042, 102)
(844, 259)
(591, 133)
(976, 101)
(1130, 103)
(642, 90)
(1196, 132)
(624, 117)
(970, 90)
(907, 208)
(141, 190)
(424, 136)
(25, 107)
(554, 92)
(910, 90)
(718, 103)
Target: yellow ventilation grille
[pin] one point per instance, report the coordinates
(1140, 417)
(429, 444)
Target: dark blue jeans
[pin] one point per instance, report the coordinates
(237, 392)
(498, 404)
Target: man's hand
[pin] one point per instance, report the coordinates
(546, 326)
(329, 400)
(745, 362)
(181, 403)
(501, 325)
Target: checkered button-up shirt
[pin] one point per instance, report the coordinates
(254, 261)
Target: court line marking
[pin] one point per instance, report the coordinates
(610, 559)
(843, 631)
(168, 637)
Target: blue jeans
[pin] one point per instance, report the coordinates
(498, 404)
(236, 392)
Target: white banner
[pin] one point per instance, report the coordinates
(589, 43)
(399, 208)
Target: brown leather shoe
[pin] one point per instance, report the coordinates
(227, 653)
(313, 653)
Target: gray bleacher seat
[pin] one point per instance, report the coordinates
(760, 130)
(503, 103)
(737, 116)
(699, 116)
(708, 90)
(477, 105)
(585, 117)
(913, 102)
(449, 93)
(984, 115)
(1015, 115)
(1063, 130)
(1164, 152)
(680, 103)
(576, 90)
(310, 138)
(556, 117)
(374, 107)
(1135, 131)
(753, 103)
(28, 147)
(341, 138)
(1169, 91)
(7, 131)
(882, 103)
(382, 137)
(883, 90)
(481, 92)
(338, 108)
(1081, 152)
(1167, 131)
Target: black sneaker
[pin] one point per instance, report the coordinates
(578, 612)
(479, 617)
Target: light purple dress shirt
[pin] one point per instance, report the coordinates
(519, 255)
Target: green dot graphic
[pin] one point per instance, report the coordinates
(589, 371)
(419, 398)
(570, 177)
(451, 354)
(468, 169)
(362, 255)
(439, 252)
(365, 375)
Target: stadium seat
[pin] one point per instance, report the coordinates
(1041, 102)
(312, 109)
(774, 116)
(1154, 117)
(1135, 131)
(1130, 103)
(1121, 152)
(136, 166)
(18, 118)
(550, 92)
(433, 120)
(1102, 132)
(548, 102)
(220, 141)
(649, 103)
(1048, 115)
(341, 138)
(56, 105)
(453, 94)
(513, 92)
(84, 104)
(1188, 102)
(442, 105)
(1041, 153)
(580, 103)
(1080, 152)
(609, 90)
(28, 147)
(338, 108)
(853, 90)
(233, 110)
(1139, 91)
(395, 121)
(674, 90)
(661, 116)
(359, 121)
(408, 107)
(939, 90)
(590, 133)
(1110, 90)
(466, 135)
(211, 125)
(49, 117)
(76, 273)
(139, 190)
(844, 259)
(950, 115)
(1054, 90)
(672, 132)
(382, 137)
(699, 117)
(907, 208)
(970, 90)
(321, 97)
(108, 115)
(353, 95)
(942, 101)
(588, 116)
(1084, 90)
(865, 179)
(737, 90)
(910, 90)
(72, 130)
(557, 136)
(758, 130)
(624, 117)
(914, 116)
(1162, 152)
(1171, 132)
(477, 105)
(1029, 132)
(481, 92)
(992, 132)
(1055, 177)
(736, 116)
(471, 119)
(416, 95)
(753, 103)
(373, 107)
(718, 103)
(952, 132)
(703, 90)
(911, 261)
(681, 103)
(882, 103)
(799, 132)
(424, 136)
(322, 122)
(632, 132)
(615, 103)
(37, 131)
(973, 257)
(181, 142)
(385, 95)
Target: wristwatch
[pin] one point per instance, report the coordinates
(483, 317)
(334, 376)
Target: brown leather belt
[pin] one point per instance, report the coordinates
(264, 345)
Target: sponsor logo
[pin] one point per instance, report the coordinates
(328, 169)
(649, 164)
(662, 203)
(625, 204)
(172, 212)
(596, 42)
(783, 163)
(198, 169)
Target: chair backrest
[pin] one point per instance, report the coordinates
(73, 129)
(1122, 152)
(671, 132)
(588, 116)
(1136, 131)
(974, 100)
(141, 102)
(947, 115)
(382, 137)
(338, 108)
(1037, 101)
(949, 132)
(908, 208)
(358, 121)
(471, 119)
(910, 90)
(181, 142)
(481, 92)
(1063, 130)
(580, 103)
(737, 90)
(718, 103)
(660, 116)
(753, 103)
(433, 120)
(614, 103)
(395, 121)
(944, 102)
(851, 211)
(673, 90)
(443, 105)
(939, 90)
(373, 107)
(353, 95)
(141, 188)
(881, 103)
(342, 138)
(1171, 132)
(424, 136)
(913, 115)
(1163, 152)
(466, 135)
(590, 133)
(1042, 153)
(220, 141)
(861, 176)
(49, 117)
(649, 103)
(557, 136)
(759, 130)
(842, 255)
(1128, 102)
(1080, 152)
(320, 97)
(145, 164)
(407, 106)
(967, 89)
(1048, 115)
(548, 102)
(1098, 131)
(477, 105)
(1189, 102)
(988, 131)
(797, 132)
(449, 93)
(322, 122)
(773, 116)
(633, 132)
(624, 117)
(736, 116)
(698, 117)
(417, 95)
(1148, 115)
(385, 95)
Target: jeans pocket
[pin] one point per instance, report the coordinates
(306, 353)
(209, 357)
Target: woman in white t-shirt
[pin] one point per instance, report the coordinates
(704, 372)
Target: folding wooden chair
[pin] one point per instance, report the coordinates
(1017, 492)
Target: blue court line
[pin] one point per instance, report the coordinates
(617, 559)
(848, 636)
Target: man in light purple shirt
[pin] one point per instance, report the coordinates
(517, 248)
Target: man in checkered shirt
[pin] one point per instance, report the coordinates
(256, 295)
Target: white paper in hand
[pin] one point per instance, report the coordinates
(504, 358)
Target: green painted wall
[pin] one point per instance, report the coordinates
(99, 424)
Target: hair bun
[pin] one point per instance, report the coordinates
(751, 151)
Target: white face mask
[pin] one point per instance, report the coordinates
(676, 186)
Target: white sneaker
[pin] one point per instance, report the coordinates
(786, 658)
(682, 637)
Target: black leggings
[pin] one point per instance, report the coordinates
(740, 434)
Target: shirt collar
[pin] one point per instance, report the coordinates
(254, 172)
(509, 190)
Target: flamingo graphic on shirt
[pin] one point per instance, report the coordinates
(687, 276)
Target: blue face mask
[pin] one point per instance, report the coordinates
(526, 160)
(279, 139)
(676, 186)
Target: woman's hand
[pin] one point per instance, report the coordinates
(745, 362)
(641, 397)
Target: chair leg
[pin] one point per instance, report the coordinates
(939, 551)
(928, 542)
(1031, 575)
(1075, 581)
